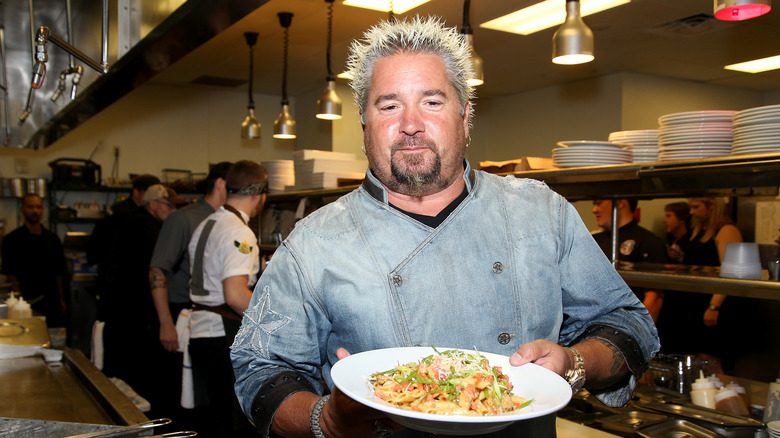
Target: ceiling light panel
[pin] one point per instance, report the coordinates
(399, 6)
(546, 14)
(756, 65)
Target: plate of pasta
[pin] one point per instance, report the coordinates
(450, 390)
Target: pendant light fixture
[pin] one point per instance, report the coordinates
(573, 41)
(329, 104)
(250, 129)
(284, 126)
(736, 10)
(478, 77)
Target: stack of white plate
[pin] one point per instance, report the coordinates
(281, 173)
(773, 427)
(643, 143)
(757, 130)
(695, 135)
(589, 153)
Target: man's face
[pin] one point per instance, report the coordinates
(414, 132)
(603, 211)
(32, 209)
(671, 222)
(161, 208)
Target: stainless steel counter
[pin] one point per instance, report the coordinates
(72, 391)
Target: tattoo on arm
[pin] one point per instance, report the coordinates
(618, 369)
(157, 279)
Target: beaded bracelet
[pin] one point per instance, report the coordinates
(314, 418)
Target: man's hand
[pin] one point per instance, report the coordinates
(344, 417)
(169, 338)
(545, 354)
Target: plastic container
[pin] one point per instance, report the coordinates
(741, 260)
(703, 392)
(20, 309)
(742, 393)
(716, 381)
(727, 400)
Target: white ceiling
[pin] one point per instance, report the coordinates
(636, 37)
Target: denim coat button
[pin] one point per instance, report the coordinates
(498, 267)
(504, 338)
(397, 280)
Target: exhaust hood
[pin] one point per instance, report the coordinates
(144, 36)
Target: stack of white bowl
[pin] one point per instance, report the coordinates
(757, 130)
(643, 143)
(281, 173)
(577, 153)
(695, 135)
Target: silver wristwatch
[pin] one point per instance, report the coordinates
(576, 376)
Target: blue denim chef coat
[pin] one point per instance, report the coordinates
(511, 264)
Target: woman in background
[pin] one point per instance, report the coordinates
(711, 232)
(693, 322)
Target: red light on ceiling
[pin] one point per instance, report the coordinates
(740, 12)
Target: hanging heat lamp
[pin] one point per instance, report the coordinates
(329, 104)
(736, 10)
(284, 126)
(573, 41)
(250, 128)
(478, 76)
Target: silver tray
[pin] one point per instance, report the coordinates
(675, 429)
(629, 422)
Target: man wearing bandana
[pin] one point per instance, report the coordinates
(224, 265)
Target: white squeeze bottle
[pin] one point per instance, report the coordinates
(21, 309)
(703, 392)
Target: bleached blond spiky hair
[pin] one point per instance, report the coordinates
(416, 35)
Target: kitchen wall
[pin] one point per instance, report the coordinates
(157, 127)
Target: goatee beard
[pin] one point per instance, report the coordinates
(415, 182)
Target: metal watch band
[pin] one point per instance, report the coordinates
(578, 372)
(314, 418)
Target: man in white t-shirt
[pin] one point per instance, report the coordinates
(224, 265)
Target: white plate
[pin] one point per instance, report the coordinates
(770, 109)
(549, 391)
(590, 143)
(696, 116)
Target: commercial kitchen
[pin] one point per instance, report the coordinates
(165, 87)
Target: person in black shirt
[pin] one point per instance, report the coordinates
(635, 245)
(34, 261)
(677, 219)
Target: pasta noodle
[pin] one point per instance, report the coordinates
(451, 382)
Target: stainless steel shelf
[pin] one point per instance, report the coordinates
(731, 175)
(706, 284)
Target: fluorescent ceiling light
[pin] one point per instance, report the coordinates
(399, 6)
(545, 14)
(756, 65)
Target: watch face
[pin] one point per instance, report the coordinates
(577, 384)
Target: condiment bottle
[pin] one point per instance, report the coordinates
(716, 381)
(21, 309)
(727, 400)
(703, 392)
(742, 393)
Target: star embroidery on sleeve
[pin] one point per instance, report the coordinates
(259, 323)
